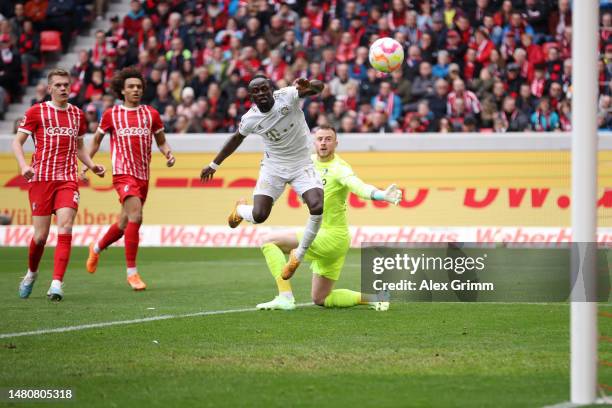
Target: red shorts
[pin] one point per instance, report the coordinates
(48, 196)
(128, 186)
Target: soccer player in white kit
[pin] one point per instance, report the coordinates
(277, 117)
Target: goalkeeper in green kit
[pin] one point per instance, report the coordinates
(328, 250)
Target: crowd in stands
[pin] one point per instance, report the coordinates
(21, 25)
(471, 65)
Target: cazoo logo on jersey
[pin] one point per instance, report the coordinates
(136, 131)
(60, 131)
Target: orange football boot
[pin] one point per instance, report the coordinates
(234, 219)
(92, 259)
(291, 266)
(136, 283)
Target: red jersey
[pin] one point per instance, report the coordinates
(132, 131)
(55, 132)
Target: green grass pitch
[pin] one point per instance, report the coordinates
(414, 355)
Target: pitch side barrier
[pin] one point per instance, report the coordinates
(381, 142)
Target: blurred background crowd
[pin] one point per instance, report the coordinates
(470, 65)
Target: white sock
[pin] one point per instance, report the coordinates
(288, 295)
(310, 232)
(246, 212)
(96, 248)
(31, 276)
(132, 271)
(56, 284)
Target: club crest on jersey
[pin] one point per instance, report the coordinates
(284, 110)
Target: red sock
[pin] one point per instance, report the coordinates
(113, 234)
(132, 237)
(62, 255)
(35, 254)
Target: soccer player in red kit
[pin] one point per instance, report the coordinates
(132, 127)
(57, 129)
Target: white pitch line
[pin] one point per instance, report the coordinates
(135, 321)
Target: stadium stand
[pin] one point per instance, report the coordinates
(472, 65)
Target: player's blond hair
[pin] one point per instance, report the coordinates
(57, 72)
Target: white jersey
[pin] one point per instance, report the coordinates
(284, 130)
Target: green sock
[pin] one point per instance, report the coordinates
(276, 260)
(342, 298)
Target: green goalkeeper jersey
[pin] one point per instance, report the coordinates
(338, 180)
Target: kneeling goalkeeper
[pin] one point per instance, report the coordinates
(328, 251)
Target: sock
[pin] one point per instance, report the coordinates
(35, 254)
(56, 284)
(132, 237)
(310, 232)
(113, 234)
(276, 260)
(30, 276)
(62, 256)
(132, 271)
(246, 212)
(342, 298)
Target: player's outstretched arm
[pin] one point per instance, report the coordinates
(26, 170)
(84, 157)
(164, 147)
(228, 148)
(308, 88)
(391, 194)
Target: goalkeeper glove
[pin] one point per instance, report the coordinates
(391, 195)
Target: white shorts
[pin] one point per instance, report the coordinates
(272, 180)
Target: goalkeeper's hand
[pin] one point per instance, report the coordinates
(393, 194)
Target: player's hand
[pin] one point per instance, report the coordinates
(170, 160)
(27, 172)
(207, 174)
(98, 170)
(393, 194)
(302, 84)
(83, 173)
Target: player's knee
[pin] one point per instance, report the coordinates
(135, 218)
(40, 238)
(259, 215)
(316, 208)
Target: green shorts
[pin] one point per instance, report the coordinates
(327, 252)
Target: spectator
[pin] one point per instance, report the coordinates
(338, 85)
(163, 98)
(29, 48)
(438, 102)
(544, 119)
(471, 104)
(559, 19)
(334, 118)
(401, 87)
(177, 54)
(422, 86)
(388, 102)
(133, 20)
(275, 32)
(36, 10)
(526, 101)
(440, 70)
(187, 107)
(10, 70)
(512, 118)
(347, 124)
(368, 88)
(565, 116)
(40, 93)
